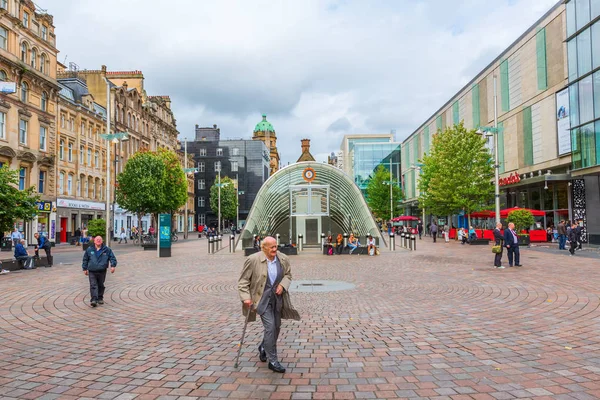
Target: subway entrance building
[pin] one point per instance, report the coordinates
(309, 199)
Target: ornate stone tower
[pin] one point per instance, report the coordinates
(264, 131)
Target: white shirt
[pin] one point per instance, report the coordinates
(272, 270)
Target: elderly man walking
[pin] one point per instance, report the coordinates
(95, 264)
(511, 242)
(264, 282)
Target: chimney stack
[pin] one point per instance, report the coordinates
(305, 145)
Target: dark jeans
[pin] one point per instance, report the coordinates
(434, 234)
(339, 248)
(573, 247)
(97, 279)
(514, 251)
(498, 258)
(48, 254)
(562, 240)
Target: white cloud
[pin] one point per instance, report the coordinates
(308, 64)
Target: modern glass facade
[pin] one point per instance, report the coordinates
(369, 156)
(583, 48)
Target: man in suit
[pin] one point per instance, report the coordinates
(264, 281)
(511, 241)
(499, 238)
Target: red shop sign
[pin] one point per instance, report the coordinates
(509, 180)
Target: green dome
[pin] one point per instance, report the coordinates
(264, 125)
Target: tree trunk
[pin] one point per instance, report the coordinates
(469, 215)
(139, 228)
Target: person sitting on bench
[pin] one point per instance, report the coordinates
(472, 234)
(353, 243)
(21, 254)
(371, 245)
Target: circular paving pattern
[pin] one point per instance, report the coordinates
(407, 325)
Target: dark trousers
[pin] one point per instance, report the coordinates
(513, 251)
(562, 240)
(339, 248)
(434, 234)
(48, 254)
(97, 279)
(572, 247)
(420, 234)
(498, 258)
(271, 320)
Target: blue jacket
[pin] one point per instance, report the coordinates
(43, 242)
(97, 260)
(20, 251)
(509, 239)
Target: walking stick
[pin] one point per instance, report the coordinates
(237, 359)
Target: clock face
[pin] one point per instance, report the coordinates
(308, 174)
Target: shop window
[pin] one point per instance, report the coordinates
(22, 178)
(42, 182)
(562, 196)
(536, 200)
(584, 52)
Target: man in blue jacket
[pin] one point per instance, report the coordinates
(95, 264)
(45, 244)
(511, 242)
(21, 253)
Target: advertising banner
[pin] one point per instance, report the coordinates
(563, 122)
(164, 235)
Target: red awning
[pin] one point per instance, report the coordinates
(405, 218)
(536, 213)
(483, 214)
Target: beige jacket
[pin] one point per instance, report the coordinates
(254, 277)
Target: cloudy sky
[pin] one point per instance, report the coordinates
(319, 69)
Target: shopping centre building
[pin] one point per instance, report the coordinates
(548, 111)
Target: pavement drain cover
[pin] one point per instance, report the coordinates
(320, 286)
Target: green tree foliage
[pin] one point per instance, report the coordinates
(378, 194)
(228, 198)
(97, 227)
(15, 204)
(457, 174)
(522, 219)
(176, 183)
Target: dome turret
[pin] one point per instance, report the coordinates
(264, 125)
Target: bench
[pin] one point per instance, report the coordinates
(250, 250)
(10, 264)
(150, 246)
(479, 242)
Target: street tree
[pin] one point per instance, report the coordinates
(457, 174)
(228, 198)
(176, 190)
(378, 194)
(15, 204)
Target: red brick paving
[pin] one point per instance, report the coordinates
(438, 323)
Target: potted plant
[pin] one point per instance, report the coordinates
(522, 219)
(96, 227)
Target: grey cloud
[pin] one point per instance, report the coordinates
(341, 124)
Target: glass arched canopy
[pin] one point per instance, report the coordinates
(288, 204)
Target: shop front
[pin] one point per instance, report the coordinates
(44, 223)
(125, 220)
(73, 214)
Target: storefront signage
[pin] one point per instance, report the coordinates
(509, 180)
(563, 122)
(84, 205)
(45, 206)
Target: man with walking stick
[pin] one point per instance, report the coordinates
(263, 290)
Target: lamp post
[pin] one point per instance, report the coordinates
(110, 138)
(494, 132)
(187, 171)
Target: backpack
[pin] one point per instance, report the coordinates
(330, 251)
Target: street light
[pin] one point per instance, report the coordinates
(494, 131)
(110, 138)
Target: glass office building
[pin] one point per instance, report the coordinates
(367, 157)
(583, 49)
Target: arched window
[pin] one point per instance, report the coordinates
(24, 51)
(70, 185)
(33, 58)
(3, 76)
(61, 183)
(44, 102)
(61, 153)
(24, 91)
(43, 63)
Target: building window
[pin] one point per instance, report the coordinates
(219, 151)
(25, 20)
(83, 129)
(85, 189)
(96, 154)
(584, 52)
(22, 178)
(61, 150)
(586, 100)
(23, 131)
(234, 166)
(201, 219)
(201, 184)
(61, 183)
(582, 12)
(81, 155)
(201, 166)
(24, 51)
(129, 120)
(235, 151)
(43, 63)
(42, 182)
(3, 37)
(24, 91)
(4, 4)
(3, 76)
(70, 152)
(70, 185)
(33, 58)
(94, 187)
(91, 132)
(2, 125)
(89, 157)
(201, 202)
(62, 122)
(44, 32)
(217, 166)
(72, 124)
(79, 186)
(596, 39)
(203, 151)
(43, 138)
(44, 102)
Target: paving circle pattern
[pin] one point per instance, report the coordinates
(428, 324)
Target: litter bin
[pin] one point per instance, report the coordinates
(6, 244)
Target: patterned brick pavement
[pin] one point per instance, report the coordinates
(438, 323)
